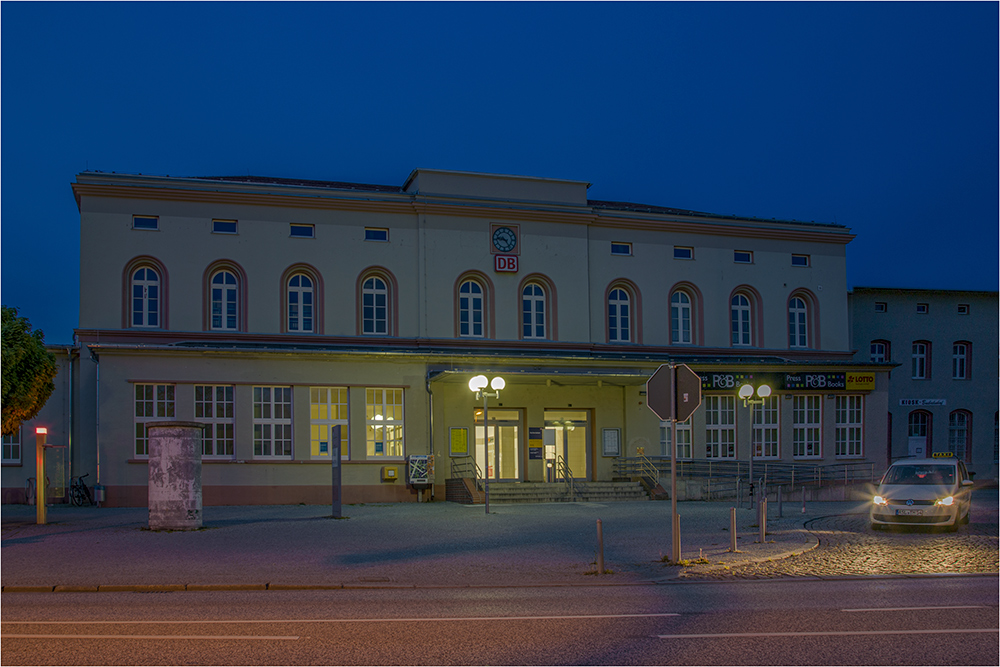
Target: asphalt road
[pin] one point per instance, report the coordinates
(932, 620)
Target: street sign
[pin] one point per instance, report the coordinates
(660, 392)
(688, 384)
(662, 386)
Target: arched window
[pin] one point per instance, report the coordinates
(145, 298)
(918, 431)
(960, 434)
(375, 307)
(533, 324)
(798, 329)
(880, 351)
(225, 298)
(470, 309)
(920, 360)
(680, 318)
(741, 322)
(300, 304)
(960, 353)
(619, 316)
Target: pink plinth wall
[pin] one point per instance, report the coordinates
(174, 475)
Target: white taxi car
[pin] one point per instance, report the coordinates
(924, 492)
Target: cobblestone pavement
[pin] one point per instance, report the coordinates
(848, 546)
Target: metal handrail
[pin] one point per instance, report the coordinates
(562, 467)
(467, 467)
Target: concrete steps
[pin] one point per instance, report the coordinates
(542, 492)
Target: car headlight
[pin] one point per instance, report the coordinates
(879, 500)
(947, 502)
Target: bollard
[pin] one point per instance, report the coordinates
(803, 499)
(780, 515)
(763, 520)
(600, 548)
(732, 529)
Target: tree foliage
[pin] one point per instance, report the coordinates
(28, 370)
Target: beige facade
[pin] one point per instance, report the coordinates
(193, 287)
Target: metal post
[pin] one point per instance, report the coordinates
(486, 452)
(336, 509)
(41, 515)
(732, 529)
(803, 499)
(845, 481)
(763, 519)
(600, 548)
(675, 521)
(780, 515)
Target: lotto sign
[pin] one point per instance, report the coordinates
(505, 263)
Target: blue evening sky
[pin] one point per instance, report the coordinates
(879, 116)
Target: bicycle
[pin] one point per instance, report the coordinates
(79, 492)
(29, 489)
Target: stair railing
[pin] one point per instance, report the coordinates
(562, 469)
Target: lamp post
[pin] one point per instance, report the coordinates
(478, 385)
(746, 393)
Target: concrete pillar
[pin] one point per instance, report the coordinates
(174, 475)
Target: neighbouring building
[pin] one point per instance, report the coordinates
(274, 310)
(943, 397)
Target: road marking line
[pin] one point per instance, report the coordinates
(829, 633)
(449, 619)
(269, 637)
(964, 606)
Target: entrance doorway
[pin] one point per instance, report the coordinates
(503, 449)
(569, 431)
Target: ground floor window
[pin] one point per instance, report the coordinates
(327, 408)
(384, 423)
(153, 402)
(213, 405)
(12, 447)
(807, 425)
(958, 434)
(272, 422)
(765, 429)
(849, 428)
(683, 439)
(720, 427)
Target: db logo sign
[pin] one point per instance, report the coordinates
(505, 263)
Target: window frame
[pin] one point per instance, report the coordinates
(849, 426)
(162, 405)
(376, 234)
(146, 310)
(807, 426)
(684, 252)
(301, 230)
(296, 323)
(741, 321)
(12, 444)
(685, 452)
(720, 427)
(961, 360)
(965, 430)
(765, 434)
(222, 429)
(798, 322)
(273, 422)
(804, 264)
(923, 309)
(217, 221)
(743, 256)
(676, 322)
(920, 360)
(618, 246)
(376, 408)
(468, 309)
(321, 422)
(881, 307)
(886, 353)
(153, 227)
(620, 326)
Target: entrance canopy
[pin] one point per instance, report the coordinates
(559, 377)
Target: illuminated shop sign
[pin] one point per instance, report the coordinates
(788, 382)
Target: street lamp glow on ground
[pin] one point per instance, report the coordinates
(478, 385)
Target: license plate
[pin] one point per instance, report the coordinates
(909, 512)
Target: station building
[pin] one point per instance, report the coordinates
(273, 310)
(943, 396)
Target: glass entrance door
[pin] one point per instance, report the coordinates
(571, 431)
(503, 449)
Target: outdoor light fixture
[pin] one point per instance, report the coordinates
(478, 384)
(746, 393)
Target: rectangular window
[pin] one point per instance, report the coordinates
(923, 308)
(153, 402)
(223, 226)
(849, 428)
(720, 427)
(376, 234)
(800, 260)
(743, 257)
(12, 447)
(384, 423)
(621, 248)
(683, 439)
(301, 231)
(213, 405)
(960, 361)
(919, 361)
(272, 422)
(145, 222)
(881, 307)
(963, 309)
(807, 426)
(327, 408)
(958, 434)
(765, 429)
(683, 252)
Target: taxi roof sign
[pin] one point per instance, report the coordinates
(943, 455)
